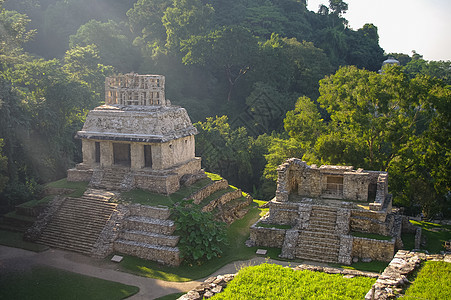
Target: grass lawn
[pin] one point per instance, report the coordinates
(408, 241)
(78, 187)
(373, 236)
(436, 235)
(14, 239)
(149, 198)
(432, 282)
(268, 281)
(50, 283)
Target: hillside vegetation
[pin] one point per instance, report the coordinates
(264, 80)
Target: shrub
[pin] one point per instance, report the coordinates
(201, 237)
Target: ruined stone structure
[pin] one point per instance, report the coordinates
(137, 139)
(324, 206)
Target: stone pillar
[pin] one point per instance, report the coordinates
(157, 157)
(106, 154)
(89, 152)
(137, 156)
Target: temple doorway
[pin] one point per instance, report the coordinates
(121, 154)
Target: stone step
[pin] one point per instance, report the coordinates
(155, 212)
(150, 225)
(79, 221)
(149, 238)
(319, 242)
(324, 208)
(322, 228)
(321, 257)
(69, 225)
(71, 238)
(318, 234)
(84, 249)
(162, 254)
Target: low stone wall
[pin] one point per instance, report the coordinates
(373, 249)
(283, 213)
(158, 184)
(223, 199)
(206, 191)
(375, 215)
(364, 224)
(79, 175)
(162, 254)
(393, 280)
(267, 237)
(162, 213)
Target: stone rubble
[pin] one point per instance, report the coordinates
(392, 282)
(208, 288)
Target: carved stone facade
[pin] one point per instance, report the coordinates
(137, 139)
(324, 206)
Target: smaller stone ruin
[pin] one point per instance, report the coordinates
(320, 213)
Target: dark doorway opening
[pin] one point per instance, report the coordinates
(97, 152)
(372, 189)
(121, 153)
(147, 156)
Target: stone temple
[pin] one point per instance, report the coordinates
(330, 213)
(137, 139)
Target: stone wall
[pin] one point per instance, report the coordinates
(283, 213)
(295, 176)
(159, 184)
(77, 175)
(373, 249)
(206, 191)
(162, 254)
(223, 199)
(267, 237)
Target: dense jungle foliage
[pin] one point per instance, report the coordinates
(264, 80)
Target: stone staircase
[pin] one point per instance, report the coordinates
(112, 179)
(147, 233)
(78, 222)
(320, 240)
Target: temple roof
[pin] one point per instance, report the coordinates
(147, 124)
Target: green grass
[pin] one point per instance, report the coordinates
(373, 266)
(78, 187)
(13, 215)
(34, 203)
(263, 211)
(15, 239)
(149, 198)
(264, 225)
(237, 234)
(432, 282)
(50, 283)
(213, 177)
(408, 241)
(436, 235)
(171, 296)
(373, 236)
(275, 282)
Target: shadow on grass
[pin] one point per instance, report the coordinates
(15, 239)
(50, 283)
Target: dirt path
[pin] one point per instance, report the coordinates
(18, 259)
